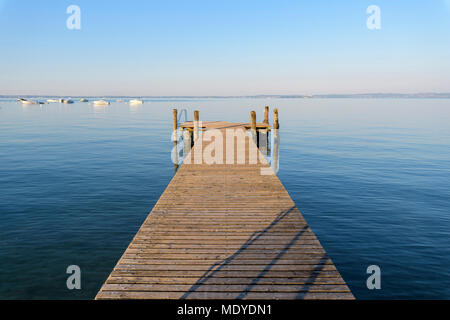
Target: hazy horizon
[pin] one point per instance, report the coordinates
(433, 94)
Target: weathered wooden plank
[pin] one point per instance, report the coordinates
(229, 274)
(223, 281)
(225, 295)
(255, 268)
(191, 262)
(261, 255)
(229, 245)
(226, 287)
(222, 251)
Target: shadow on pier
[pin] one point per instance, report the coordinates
(264, 273)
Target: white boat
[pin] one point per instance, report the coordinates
(52, 100)
(68, 101)
(83, 100)
(136, 102)
(101, 103)
(25, 101)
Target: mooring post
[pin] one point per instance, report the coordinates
(276, 124)
(266, 114)
(196, 125)
(276, 141)
(175, 124)
(263, 136)
(175, 138)
(253, 127)
(187, 141)
(198, 144)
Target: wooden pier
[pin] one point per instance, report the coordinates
(225, 231)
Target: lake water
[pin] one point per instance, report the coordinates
(371, 177)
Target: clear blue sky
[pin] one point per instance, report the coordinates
(223, 47)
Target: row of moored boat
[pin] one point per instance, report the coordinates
(101, 102)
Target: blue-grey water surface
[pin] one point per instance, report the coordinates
(371, 176)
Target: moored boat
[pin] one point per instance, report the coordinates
(101, 103)
(25, 101)
(136, 102)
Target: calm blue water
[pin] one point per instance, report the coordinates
(372, 178)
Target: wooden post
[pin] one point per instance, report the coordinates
(187, 141)
(196, 125)
(198, 144)
(276, 142)
(263, 136)
(175, 139)
(175, 124)
(253, 127)
(276, 124)
(266, 114)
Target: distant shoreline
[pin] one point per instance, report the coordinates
(263, 96)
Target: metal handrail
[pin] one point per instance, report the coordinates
(179, 116)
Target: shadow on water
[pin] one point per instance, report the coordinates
(257, 241)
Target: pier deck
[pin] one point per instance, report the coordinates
(224, 231)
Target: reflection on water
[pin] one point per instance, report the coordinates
(372, 178)
(99, 108)
(134, 108)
